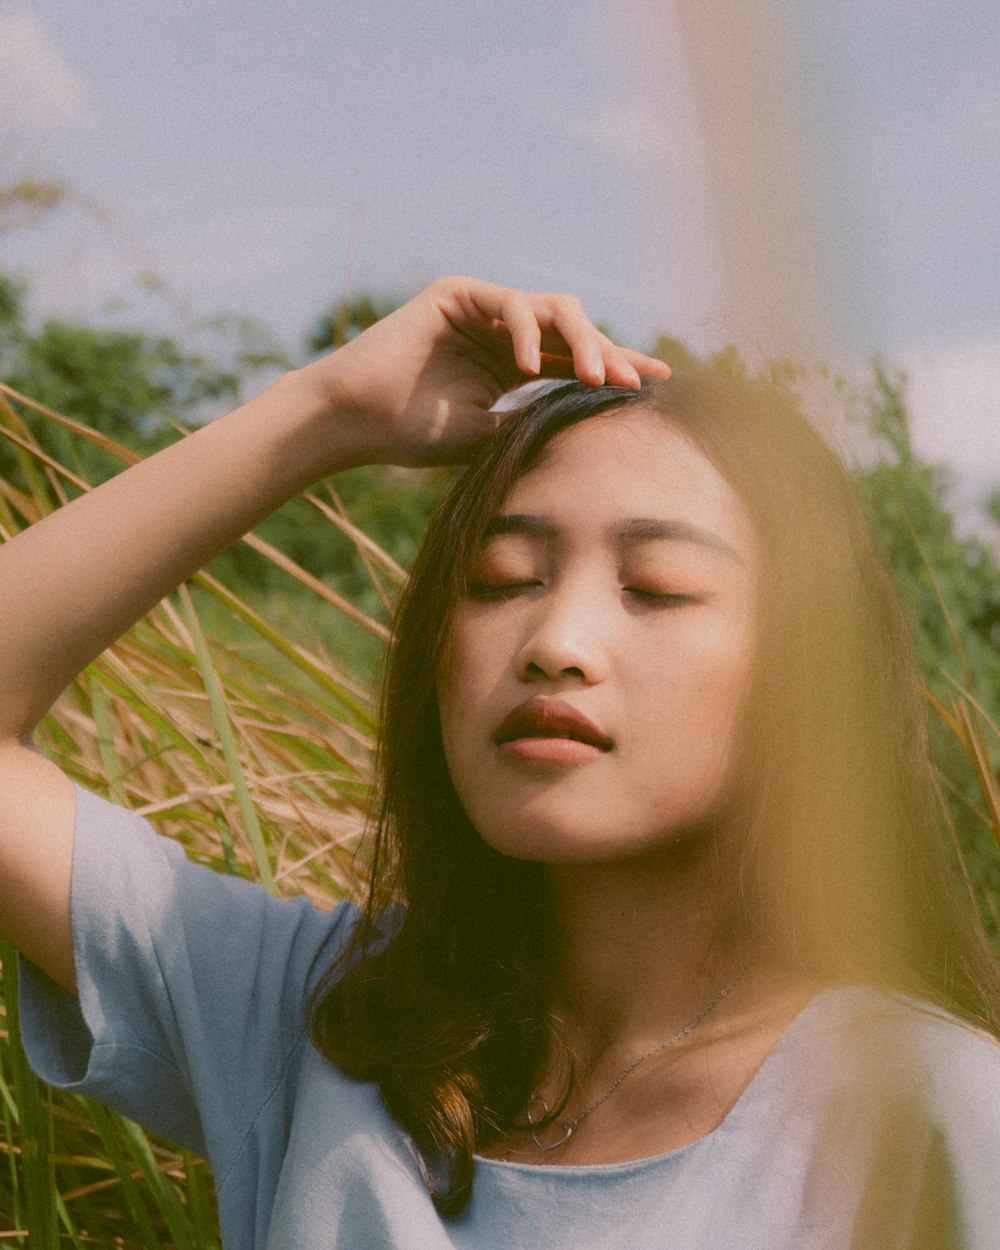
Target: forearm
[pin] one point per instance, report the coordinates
(73, 583)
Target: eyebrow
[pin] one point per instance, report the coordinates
(632, 531)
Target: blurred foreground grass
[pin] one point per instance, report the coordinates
(228, 724)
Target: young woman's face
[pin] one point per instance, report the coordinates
(592, 687)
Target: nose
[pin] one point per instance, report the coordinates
(567, 636)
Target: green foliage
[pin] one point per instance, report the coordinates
(950, 587)
(992, 507)
(135, 386)
(118, 381)
(950, 583)
(128, 384)
(345, 319)
(25, 202)
(727, 362)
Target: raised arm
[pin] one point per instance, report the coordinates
(414, 389)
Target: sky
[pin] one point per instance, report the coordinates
(263, 159)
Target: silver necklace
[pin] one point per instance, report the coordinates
(568, 1125)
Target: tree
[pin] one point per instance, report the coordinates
(129, 384)
(345, 319)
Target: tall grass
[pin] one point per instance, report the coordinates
(255, 752)
(251, 749)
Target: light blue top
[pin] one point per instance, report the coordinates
(874, 1124)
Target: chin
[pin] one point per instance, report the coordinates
(547, 845)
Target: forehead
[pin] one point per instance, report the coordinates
(628, 464)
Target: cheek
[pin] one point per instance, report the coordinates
(462, 680)
(729, 687)
(696, 695)
(727, 701)
(707, 660)
(478, 649)
(452, 671)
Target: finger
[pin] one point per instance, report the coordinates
(554, 344)
(555, 325)
(565, 314)
(492, 306)
(623, 367)
(620, 371)
(627, 368)
(517, 314)
(646, 366)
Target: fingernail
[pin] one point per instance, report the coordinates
(632, 374)
(534, 364)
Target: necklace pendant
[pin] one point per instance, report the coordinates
(563, 1127)
(565, 1130)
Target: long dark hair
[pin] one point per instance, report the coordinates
(839, 867)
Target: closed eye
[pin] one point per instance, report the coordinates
(497, 590)
(663, 598)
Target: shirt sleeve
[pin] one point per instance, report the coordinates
(192, 985)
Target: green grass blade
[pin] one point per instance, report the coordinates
(37, 1178)
(109, 1127)
(111, 765)
(350, 694)
(11, 1118)
(67, 1223)
(200, 1207)
(160, 1189)
(227, 737)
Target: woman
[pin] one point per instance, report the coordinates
(665, 873)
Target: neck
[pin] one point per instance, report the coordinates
(639, 946)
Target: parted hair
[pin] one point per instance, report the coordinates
(835, 860)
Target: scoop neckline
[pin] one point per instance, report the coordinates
(799, 1022)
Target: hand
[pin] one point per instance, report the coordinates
(418, 386)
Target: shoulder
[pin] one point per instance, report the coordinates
(931, 1031)
(923, 1124)
(917, 1051)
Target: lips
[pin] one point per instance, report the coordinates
(550, 718)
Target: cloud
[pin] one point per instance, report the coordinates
(39, 91)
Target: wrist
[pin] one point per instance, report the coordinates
(318, 425)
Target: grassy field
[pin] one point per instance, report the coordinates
(234, 730)
(250, 746)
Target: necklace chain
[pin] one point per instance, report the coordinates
(569, 1124)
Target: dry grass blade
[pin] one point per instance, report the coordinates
(370, 552)
(974, 745)
(45, 459)
(256, 757)
(334, 682)
(89, 435)
(319, 588)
